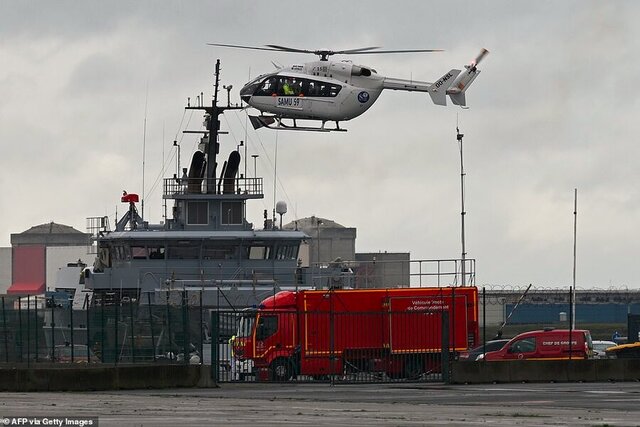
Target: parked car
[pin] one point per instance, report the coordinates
(546, 344)
(600, 347)
(478, 353)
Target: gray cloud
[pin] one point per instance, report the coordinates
(554, 109)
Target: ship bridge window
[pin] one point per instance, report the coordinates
(138, 252)
(231, 213)
(120, 253)
(209, 251)
(287, 252)
(183, 252)
(156, 252)
(259, 252)
(197, 213)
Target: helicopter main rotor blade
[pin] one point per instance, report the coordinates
(289, 49)
(360, 49)
(395, 51)
(244, 47)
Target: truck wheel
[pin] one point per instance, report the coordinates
(281, 370)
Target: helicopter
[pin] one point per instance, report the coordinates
(335, 91)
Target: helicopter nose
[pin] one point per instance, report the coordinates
(246, 92)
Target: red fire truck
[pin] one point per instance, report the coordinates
(322, 332)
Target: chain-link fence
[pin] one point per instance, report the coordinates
(172, 330)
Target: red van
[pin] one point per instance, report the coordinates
(548, 344)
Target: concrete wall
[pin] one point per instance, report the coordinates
(545, 371)
(60, 256)
(5, 269)
(97, 377)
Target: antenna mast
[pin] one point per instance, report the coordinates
(213, 129)
(459, 137)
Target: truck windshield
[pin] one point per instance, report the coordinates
(245, 326)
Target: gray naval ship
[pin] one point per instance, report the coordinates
(207, 256)
(208, 247)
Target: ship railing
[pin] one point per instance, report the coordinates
(184, 186)
(396, 273)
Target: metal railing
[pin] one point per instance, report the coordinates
(178, 187)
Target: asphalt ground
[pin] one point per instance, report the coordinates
(549, 404)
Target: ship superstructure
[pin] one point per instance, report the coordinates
(208, 245)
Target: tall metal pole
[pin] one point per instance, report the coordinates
(462, 212)
(575, 228)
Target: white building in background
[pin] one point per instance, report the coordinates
(31, 264)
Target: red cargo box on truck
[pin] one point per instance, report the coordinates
(395, 331)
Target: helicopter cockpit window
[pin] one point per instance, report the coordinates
(269, 87)
(288, 86)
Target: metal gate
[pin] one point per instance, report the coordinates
(291, 346)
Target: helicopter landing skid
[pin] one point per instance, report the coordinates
(276, 123)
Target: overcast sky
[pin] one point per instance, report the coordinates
(555, 108)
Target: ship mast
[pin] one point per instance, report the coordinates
(213, 129)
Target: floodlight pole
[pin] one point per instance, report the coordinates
(462, 212)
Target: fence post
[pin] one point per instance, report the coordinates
(201, 332)
(53, 328)
(185, 328)
(86, 303)
(169, 327)
(446, 374)
(133, 343)
(115, 329)
(215, 337)
(28, 330)
(331, 337)
(484, 322)
(453, 319)
(571, 302)
(153, 337)
(71, 320)
(4, 327)
(20, 326)
(35, 315)
(103, 351)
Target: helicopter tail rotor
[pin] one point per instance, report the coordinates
(463, 81)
